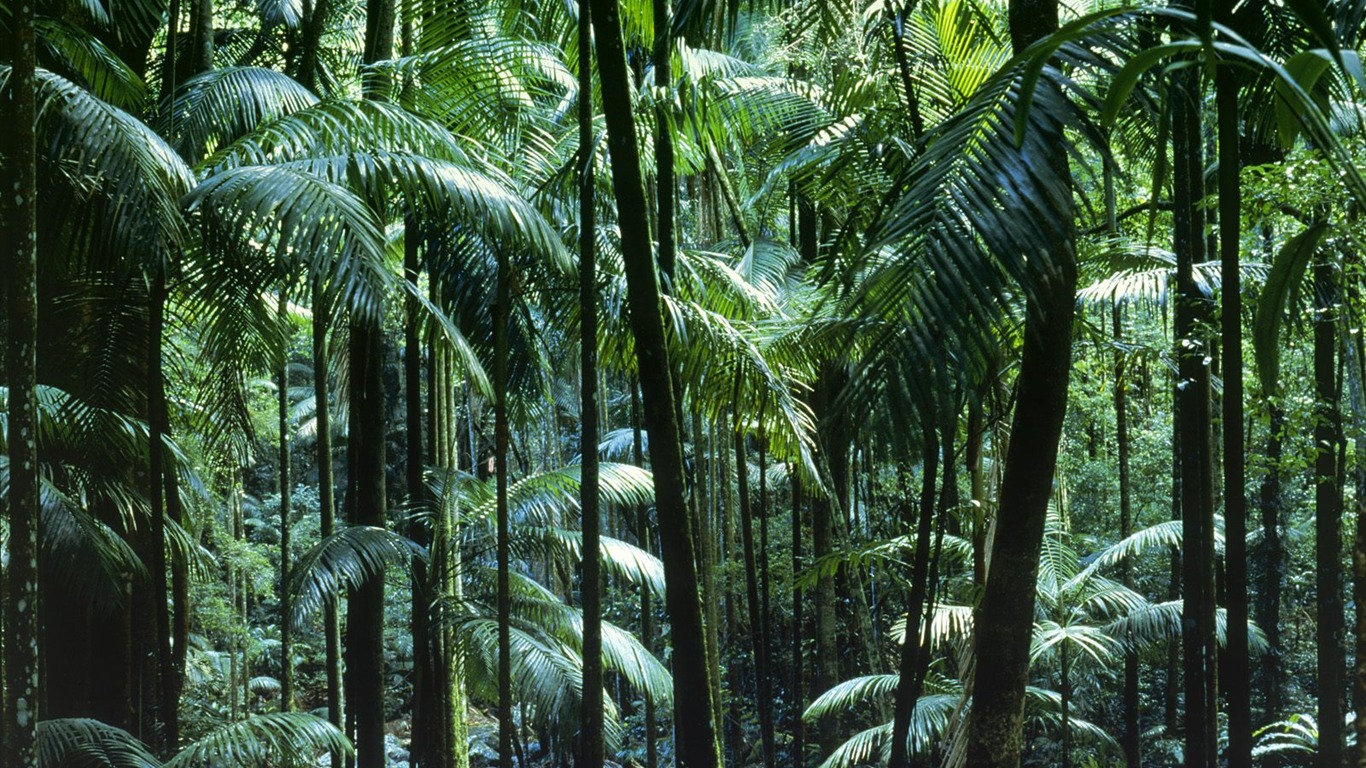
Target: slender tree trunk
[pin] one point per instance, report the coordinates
(286, 490)
(1132, 732)
(167, 683)
(798, 703)
(1328, 520)
(426, 741)
(367, 461)
(823, 511)
(1193, 402)
(1006, 614)
(18, 207)
(695, 736)
(647, 614)
(768, 724)
(326, 491)
(1355, 350)
(501, 313)
(591, 722)
(1239, 684)
(365, 610)
(1272, 555)
(1065, 693)
(663, 139)
(451, 733)
(757, 619)
(907, 686)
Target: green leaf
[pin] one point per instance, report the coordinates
(1305, 69)
(1282, 285)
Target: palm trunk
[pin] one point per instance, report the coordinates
(907, 689)
(1328, 520)
(647, 615)
(501, 313)
(427, 732)
(1193, 402)
(166, 677)
(326, 490)
(1066, 695)
(591, 722)
(1005, 618)
(798, 703)
(768, 724)
(365, 610)
(695, 736)
(366, 462)
(1355, 351)
(757, 619)
(1272, 557)
(18, 108)
(201, 36)
(1239, 684)
(286, 487)
(1131, 735)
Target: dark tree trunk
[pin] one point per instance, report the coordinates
(695, 736)
(768, 724)
(1005, 617)
(591, 721)
(647, 614)
(908, 686)
(798, 695)
(167, 678)
(201, 36)
(366, 464)
(365, 610)
(315, 23)
(1328, 520)
(326, 491)
(18, 108)
(1131, 735)
(1272, 556)
(757, 620)
(427, 732)
(501, 313)
(1193, 403)
(823, 511)
(286, 490)
(1239, 684)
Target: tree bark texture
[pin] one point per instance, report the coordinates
(1328, 519)
(18, 209)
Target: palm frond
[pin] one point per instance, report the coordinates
(304, 221)
(219, 106)
(347, 559)
(265, 741)
(82, 57)
(79, 742)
